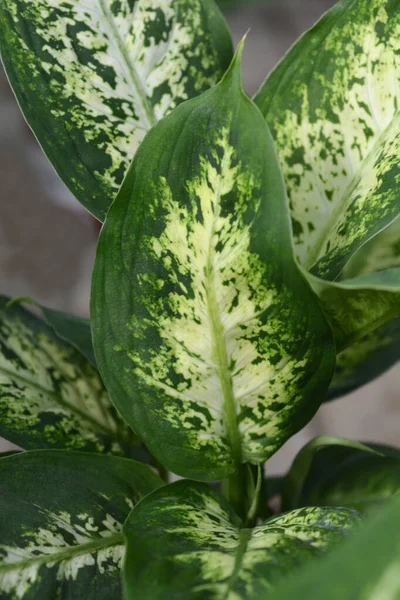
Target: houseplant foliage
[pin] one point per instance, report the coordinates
(247, 270)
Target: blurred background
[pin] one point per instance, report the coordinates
(47, 241)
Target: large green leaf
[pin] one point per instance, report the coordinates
(50, 395)
(205, 551)
(332, 106)
(365, 567)
(210, 342)
(61, 517)
(93, 76)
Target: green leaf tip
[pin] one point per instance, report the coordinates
(233, 75)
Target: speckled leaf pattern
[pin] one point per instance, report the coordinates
(206, 552)
(332, 105)
(50, 395)
(93, 76)
(61, 517)
(211, 344)
(364, 567)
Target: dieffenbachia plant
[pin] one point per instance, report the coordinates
(247, 270)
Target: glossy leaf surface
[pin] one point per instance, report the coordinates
(365, 567)
(61, 517)
(93, 76)
(50, 395)
(210, 342)
(206, 552)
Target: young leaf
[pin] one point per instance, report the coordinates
(332, 105)
(61, 516)
(365, 567)
(296, 477)
(205, 551)
(210, 342)
(93, 76)
(50, 396)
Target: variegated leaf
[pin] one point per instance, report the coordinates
(332, 105)
(50, 395)
(93, 76)
(206, 552)
(365, 567)
(210, 342)
(61, 517)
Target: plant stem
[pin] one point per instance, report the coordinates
(235, 491)
(162, 471)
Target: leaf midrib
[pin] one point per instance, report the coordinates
(220, 354)
(130, 67)
(68, 553)
(244, 538)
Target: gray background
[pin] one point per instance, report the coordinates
(47, 241)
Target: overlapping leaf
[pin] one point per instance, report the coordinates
(206, 552)
(93, 76)
(332, 106)
(210, 342)
(61, 517)
(365, 567)
(50, 395)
